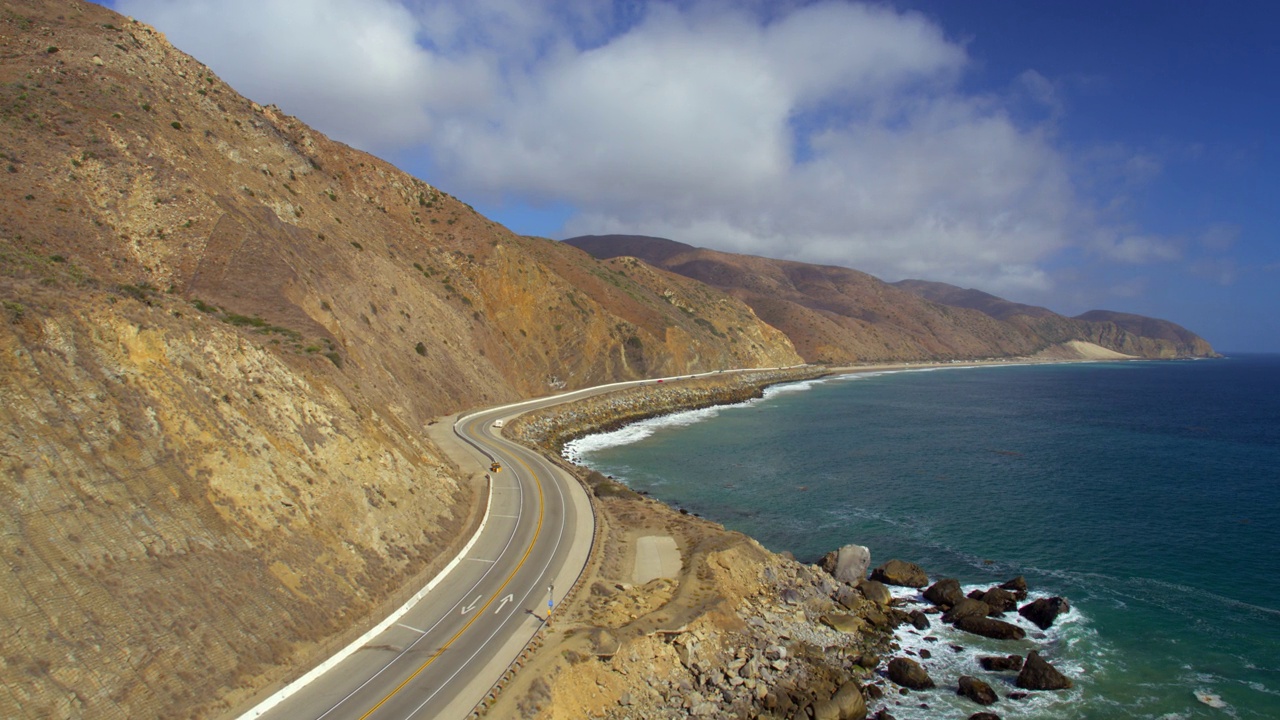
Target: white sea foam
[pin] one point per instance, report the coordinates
(635, 432)
(954, 653)
(776, 390)
(575, 450)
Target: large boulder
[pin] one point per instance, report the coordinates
(945, 593)
(987, 627)
(967, 607)
(984, 716)
(909, 674)
(875, 591)
(849, 597)
(976, 690)
(843, 622)
(1000, 600)
(1018, 586)
(999, 664)
(919, 620)
(874, 615)
(900, 573)
(1038, 674)
(846, 704)
(1044, 611)
(848, 564)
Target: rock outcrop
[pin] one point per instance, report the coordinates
(1000, 664)
(945, 593)
(988, 627)
(1038, 674)
(976, 690)
(875, 591)
(908, 673)
(848, 564)
(1017, 586)
(1044, 611)
(900, 573)
(1000, 600)
(224, 340)
(966, 607)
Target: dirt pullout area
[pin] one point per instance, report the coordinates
(657, 556)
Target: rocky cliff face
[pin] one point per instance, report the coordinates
(838, 315)
(185, 513)
(222, 337)
(1122, 332)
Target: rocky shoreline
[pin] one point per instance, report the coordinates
(744, 632)
(550, 429)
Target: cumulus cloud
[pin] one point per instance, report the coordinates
(352, 68)
(829, 131)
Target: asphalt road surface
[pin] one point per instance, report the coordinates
(441, 657)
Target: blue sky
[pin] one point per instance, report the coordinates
(1076, 155)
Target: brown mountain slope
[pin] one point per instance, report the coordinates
(222, 337)
(840, 315)
(989, 304)
(1149, 336)
(1123, 332)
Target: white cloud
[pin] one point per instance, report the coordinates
(352, 68)
(831, 132)
(1135, 249)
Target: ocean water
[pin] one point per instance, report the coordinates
(1146, 493)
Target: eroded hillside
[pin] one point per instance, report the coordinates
(223, 336)
(838, 315)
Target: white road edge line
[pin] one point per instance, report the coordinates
(414, 644)
(523, 602)
(346, 652)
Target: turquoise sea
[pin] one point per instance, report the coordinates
(1146, 493)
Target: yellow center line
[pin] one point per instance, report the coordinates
(438, 653)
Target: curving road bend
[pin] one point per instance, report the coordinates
(440, 658)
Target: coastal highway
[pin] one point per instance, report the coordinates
(440, 657)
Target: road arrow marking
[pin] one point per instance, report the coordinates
(505, 600)
(472, 606)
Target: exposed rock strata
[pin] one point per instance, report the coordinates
(848, 564)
